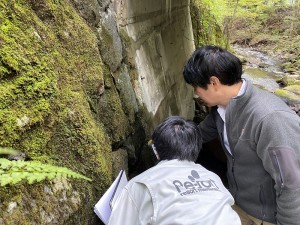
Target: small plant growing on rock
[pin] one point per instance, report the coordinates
(12, 172)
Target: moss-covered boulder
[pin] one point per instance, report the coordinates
(207, 26)
(55, 107)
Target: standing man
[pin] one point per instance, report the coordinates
(176, 191)
(259, 133)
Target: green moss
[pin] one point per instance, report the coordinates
(262, 38)
(257, 73)
(28, 81)
(206, 27)
(292, 81)
(125, 38)
(50, 73)
(287, 94)
(106, 37)
(40, 202)
(117, 124)
(293, 88)
(35, 143)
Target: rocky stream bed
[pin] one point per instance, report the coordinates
(266, 72)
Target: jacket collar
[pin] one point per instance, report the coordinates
(239, 101)
(175, 162)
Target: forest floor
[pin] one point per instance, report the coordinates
(277, 35)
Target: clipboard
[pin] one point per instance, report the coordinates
(104, 206)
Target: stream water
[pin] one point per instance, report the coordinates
(261, 69)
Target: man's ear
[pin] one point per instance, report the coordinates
(214, 80)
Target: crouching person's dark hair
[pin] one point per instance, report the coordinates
(177, 138)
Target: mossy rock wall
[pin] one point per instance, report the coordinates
(58, 105)
(206, 28)
(74, 93)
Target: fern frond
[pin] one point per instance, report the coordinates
(8, 151)
(12, 172)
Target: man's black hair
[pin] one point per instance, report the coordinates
(177, 138)
(210, 61)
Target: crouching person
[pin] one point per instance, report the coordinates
(176, 191)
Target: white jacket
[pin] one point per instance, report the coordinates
(175, 193)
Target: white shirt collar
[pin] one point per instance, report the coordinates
(222, 110)
(242, 89)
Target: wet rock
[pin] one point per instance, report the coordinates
(119, 161)
(283, 82)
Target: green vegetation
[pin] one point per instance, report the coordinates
(50, 81)
(8, 151)
(207, 17)
(287, 94)
(271, 26)
(59, 104)
(46, 74)
(12, 172)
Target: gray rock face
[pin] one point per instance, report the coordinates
(110, 42)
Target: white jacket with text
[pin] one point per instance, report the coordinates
(175, 193)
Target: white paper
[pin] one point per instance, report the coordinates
(123, 181)
(103, 208)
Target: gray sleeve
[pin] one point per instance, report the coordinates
(278, 145)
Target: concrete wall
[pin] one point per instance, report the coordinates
(149, 41)
(161, 40)
(144, 44)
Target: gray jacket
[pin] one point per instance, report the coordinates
(264, 168)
